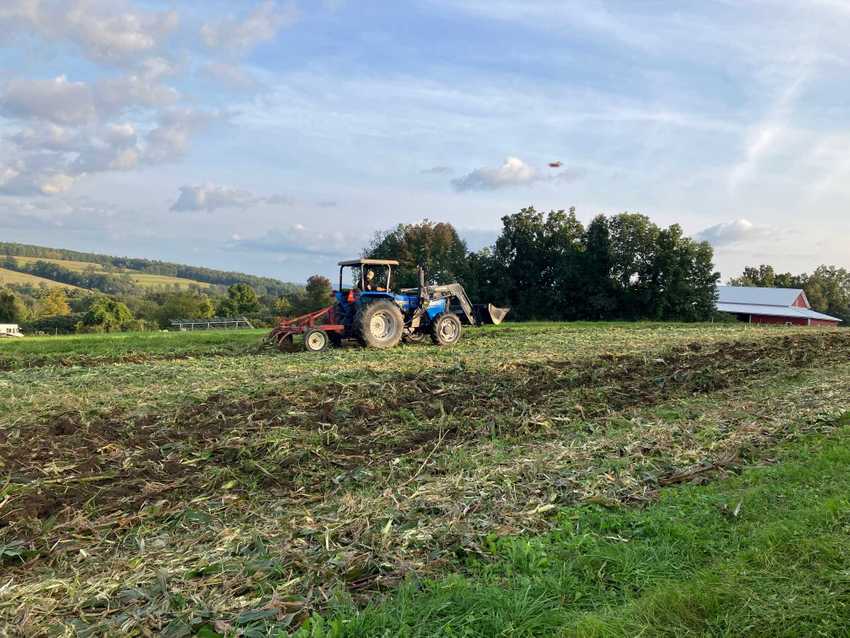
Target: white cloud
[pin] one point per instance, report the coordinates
(115, 95)
(35, 174)
(243, 34)
(46, 136)
(65, 102)
(210, 197)
(300, 240)
(47, 158)
(513, 172)
(735, 232)
(104, 30)
(116, 149)
(56, 100)
(169, 140)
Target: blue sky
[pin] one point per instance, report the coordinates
(275, 137)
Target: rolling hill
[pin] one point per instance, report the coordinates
(145, 280)
(25, 264)
(23, 278)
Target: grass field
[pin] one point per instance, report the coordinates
(142, 279)
(14, 277)
(535, 480)
(70, 264)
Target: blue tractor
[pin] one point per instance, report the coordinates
(370, 312)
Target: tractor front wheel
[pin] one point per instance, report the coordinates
(316, 340)
(379, 324)
(446, 330)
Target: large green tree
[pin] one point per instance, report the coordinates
(828, 290)
(184, 305)
(535, 263)
(435, 246)
(105, 315)
(53, 303)
(598, 289)
(12, 309)
(318, 292)
(241, 300)
(683, 282)
(548, 266)
(765, 276)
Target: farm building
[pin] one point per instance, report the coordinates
(10, 330)
(788, 306)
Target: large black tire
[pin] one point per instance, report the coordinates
(446, 329)
(379, 324)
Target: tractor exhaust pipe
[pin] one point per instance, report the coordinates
(488, 313)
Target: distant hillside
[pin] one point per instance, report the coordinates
(23, 278)
(24, 263)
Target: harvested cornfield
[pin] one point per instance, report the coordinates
(230, 492)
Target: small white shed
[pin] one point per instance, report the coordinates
(10, 330)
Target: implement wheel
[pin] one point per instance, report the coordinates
(415, 337)
(316, 340)
(379, 324)
(446, 330)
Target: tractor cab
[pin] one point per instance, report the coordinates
(367, 275)
(371, 282)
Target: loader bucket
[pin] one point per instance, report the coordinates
(488, 313)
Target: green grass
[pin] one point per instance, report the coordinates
(766, 553)
(14, 277)
(147, 280)
(70, 264)
(124, 346)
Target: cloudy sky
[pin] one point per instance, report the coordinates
(276, 136)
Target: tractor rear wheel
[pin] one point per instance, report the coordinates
(316, 340)
(446, 329)
(379, 324)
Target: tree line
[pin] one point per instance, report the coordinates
(546, 266)
(551, 267)
(55, 309)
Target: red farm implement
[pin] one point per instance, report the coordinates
(318, 328)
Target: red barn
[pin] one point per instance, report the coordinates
(785, 306)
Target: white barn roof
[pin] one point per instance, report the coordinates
(758, 296)
(773, 311)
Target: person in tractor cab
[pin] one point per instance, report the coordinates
(372, 284)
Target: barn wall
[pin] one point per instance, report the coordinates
(824, 322)
(800, 301)
(795, 321)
